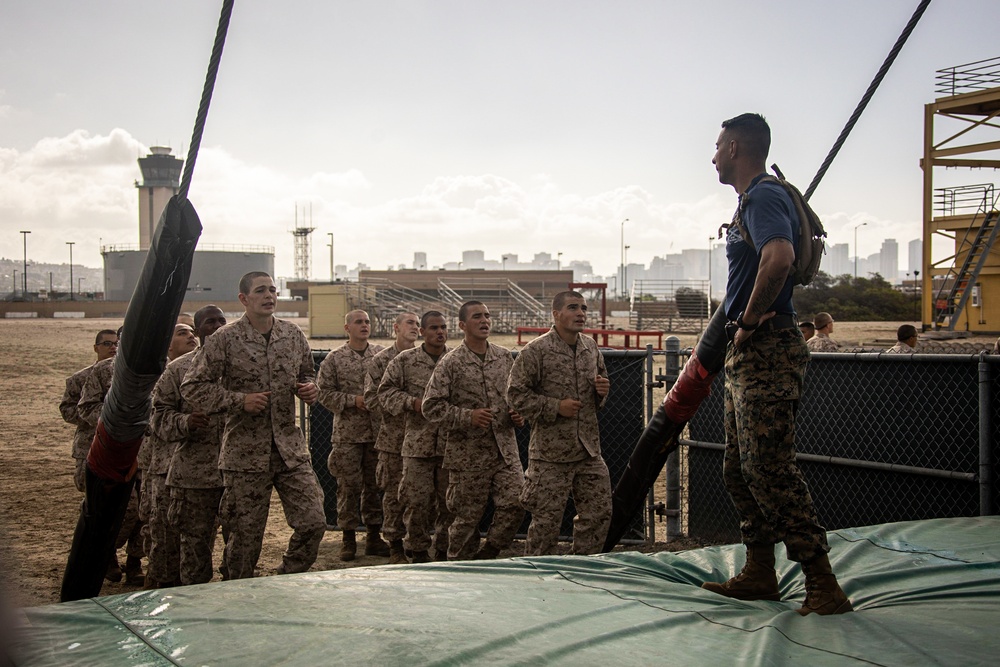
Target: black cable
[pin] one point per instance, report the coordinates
(206, 98)
(872, 87)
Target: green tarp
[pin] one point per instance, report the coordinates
(926, 592)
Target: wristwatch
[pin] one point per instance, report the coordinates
(743, 325)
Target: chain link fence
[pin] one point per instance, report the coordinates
(880, 438)
(621, 423)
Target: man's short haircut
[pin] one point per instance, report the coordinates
(560, 299)
(823, 319)
(201, 314)
(752, 132)
(246, 282)
(463, 312)
(104, 332)
(807, 325)
(347, 317)
(402, 316)
(429, 314)
(905, 332)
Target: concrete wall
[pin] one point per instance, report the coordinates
(215, 274)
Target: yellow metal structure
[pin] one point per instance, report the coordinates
(962, 291)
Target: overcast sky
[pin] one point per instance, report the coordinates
(439, 126)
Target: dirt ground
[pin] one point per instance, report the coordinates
(39, 505)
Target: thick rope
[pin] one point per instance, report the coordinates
(206, 98)
(867, 96)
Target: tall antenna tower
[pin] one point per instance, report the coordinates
(303, 252)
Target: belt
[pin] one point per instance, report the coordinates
(778, 322)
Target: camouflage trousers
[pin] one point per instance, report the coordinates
(162, 544)
(244, 508)
(195, 515)
(80, 475)
(130, 535)
(354, 464)
(422, 491)
(763, 386)
(547, 486)
(388, 474)
(468, 493)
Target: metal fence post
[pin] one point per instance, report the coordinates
(985, 440)
(672, 371)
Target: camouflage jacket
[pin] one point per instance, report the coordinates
(546, 371)
(237, 360)
(461, 383)
(822, 342)
(405, 379)
(194, 463)
(69, 410)
(389, 428)
(94, 390)
(342, 377)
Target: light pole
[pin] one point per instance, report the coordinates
(916, 296)
(621, 272)
(70, 244)
(503, 262)
(709, 276)
(558, 261)
(333, 275)
(856, 248)
(625, 271)
(24, 276)
(79, 287)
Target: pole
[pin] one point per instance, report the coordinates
(70, 244)
(856, 248)
(916, 297)
(24, 276)
(333, 274)
(709, 276)
(625, 274)
(621, 268)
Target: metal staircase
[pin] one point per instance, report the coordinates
(951, 299)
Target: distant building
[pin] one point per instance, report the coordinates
(915, 250)
(838, 260)
(888, 261)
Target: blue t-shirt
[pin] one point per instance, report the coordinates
(769, 214)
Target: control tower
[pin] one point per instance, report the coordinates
(161, 180)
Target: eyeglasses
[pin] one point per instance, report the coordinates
(108, 343)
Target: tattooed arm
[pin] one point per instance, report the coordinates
(775, 261)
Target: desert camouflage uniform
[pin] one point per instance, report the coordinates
(160, 539)
(352, 457)
(822, 342)
(763, 386)
(424, 483)
(481, 462)
(84, 434)
(263, 451)
(564, 454)
(89, 411)
(388, 444)
(900, 348)
(194, 482)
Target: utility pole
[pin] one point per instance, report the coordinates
(24, 276)
(333, 274)
(70, 244)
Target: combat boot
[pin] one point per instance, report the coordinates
(824, 596)
(133, 571)
(397, 554)
(114, 573)
(350, 547)
(420, 557)
(756, 581)
(441, 555)
(375, 545)
(488, 551)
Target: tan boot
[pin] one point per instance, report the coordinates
(350, 547)
(397, 554)
(420, 557)
(114, 572)
(488, 551)
(756, 581)
(824, 596)
(375, 545)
